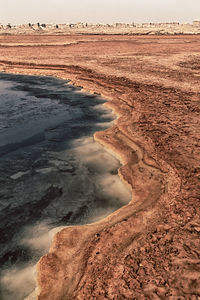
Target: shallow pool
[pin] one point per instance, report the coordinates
(52, 173)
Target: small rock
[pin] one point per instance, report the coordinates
(66, 168)
(18, 175)
(46, 170)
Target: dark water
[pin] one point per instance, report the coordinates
(52, 173)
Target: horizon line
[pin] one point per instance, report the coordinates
(99, 23)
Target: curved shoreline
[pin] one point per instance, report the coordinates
(71, 241)
(74, 246)
(92, 229)
(149, 247)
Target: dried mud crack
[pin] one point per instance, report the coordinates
(148, 249)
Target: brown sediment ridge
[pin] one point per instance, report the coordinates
(150, 248)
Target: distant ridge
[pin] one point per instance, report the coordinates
(116, 28)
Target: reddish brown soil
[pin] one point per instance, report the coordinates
(149, 249)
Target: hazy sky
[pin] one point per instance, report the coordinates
(98, 11)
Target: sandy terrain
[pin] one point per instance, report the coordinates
(149, 249)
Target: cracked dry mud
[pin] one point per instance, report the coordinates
(149, 249)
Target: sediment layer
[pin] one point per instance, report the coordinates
(148, 249)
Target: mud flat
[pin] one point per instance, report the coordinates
(149, 248)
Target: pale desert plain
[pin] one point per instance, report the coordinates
(150, 248)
